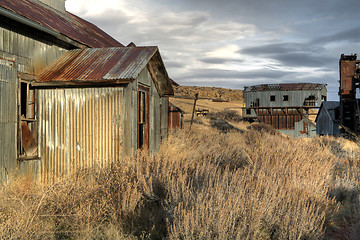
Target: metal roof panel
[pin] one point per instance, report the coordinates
(284, 87)
(65, 23)
(98, 64)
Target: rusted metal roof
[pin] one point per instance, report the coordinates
(66, 24)
(98, 64)
(106, 65)
(284, 87)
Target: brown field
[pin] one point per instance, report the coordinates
(218, 180)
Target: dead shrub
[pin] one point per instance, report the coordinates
(201, 185)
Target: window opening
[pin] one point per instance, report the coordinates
(286, 98)
(310, 101)
(272, 98)
(28, 124)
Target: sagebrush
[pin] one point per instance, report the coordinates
(201, 185)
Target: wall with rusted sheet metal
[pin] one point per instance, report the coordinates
(79, 128)
(296, 98)
(57, 4)
(8, 121)
(19, 53)
(29, 55)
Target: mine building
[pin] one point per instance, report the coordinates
(284, 106)
(71, 96)
(335, 118)
(328, 119)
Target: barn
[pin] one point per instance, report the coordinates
(71, 96)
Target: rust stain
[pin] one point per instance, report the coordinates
(284, 87)
(98, 64)
(65, 23)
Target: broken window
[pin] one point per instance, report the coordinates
(285, 98)
(272, 98)
(28, 125)
(310, 101)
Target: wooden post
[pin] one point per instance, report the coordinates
(193, 112)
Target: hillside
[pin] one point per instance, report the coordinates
(223, 94)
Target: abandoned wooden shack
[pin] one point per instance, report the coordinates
(328, 119)
(283, 105)
(71, 96)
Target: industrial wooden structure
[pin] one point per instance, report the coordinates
(283, 105)
(71, 96)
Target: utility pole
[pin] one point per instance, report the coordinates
(193, 112)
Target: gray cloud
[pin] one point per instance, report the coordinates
(220, 60)
(292, 54)
(225, 74)
(279, 35)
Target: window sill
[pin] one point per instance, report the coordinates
(26, 158)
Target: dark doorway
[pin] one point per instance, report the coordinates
(143, 117)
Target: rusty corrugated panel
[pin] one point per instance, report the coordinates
(284, 87)
(65, 23)
(79, 128)
(99, 64)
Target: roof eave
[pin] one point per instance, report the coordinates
(23, 20)
(80, 83)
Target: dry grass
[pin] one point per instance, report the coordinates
(201, 185)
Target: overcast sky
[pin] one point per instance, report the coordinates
(236, 43)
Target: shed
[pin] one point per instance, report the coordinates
(328, 119)
(176, 117)
(71, 96)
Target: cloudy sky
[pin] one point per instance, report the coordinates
(236, 43)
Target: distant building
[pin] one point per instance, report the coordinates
(328, 119)
(283, 105)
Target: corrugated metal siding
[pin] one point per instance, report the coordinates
(28, 55)
(296, 98)
(8, 120)
(57, 4)
(79, 128)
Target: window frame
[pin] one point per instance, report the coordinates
(27, 136)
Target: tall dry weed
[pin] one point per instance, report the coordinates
(201, 185)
